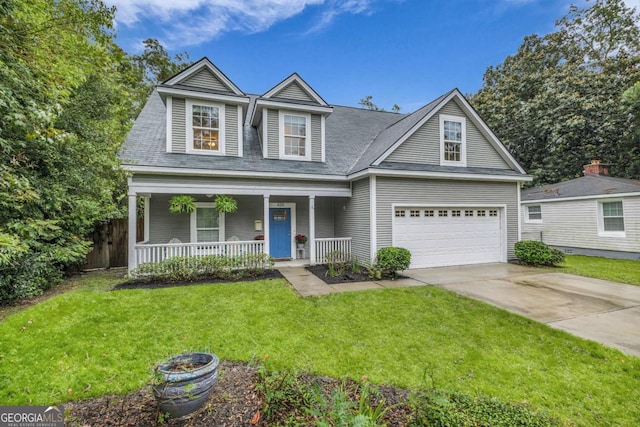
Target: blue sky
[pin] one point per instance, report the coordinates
(399, 51)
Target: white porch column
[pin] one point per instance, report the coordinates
(265, 224)
(132, 231)
(312, 230)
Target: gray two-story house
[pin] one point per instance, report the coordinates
(436, 181)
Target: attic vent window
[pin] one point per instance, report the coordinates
(452, 140)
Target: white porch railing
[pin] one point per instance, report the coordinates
(159, 252)
(332, 244)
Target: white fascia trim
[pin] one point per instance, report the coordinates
(297, 107)
(570, 199)
(323, 152)
(240, 133)
(307, 137)
(169, 124)
(189, 128)
(443, 175)
(229, 99)
(373, 217)
(156, 170)
(463, 144)
(174, 188)
(295, 78)
(265, 133)
(205, 63)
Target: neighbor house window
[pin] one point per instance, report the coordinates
(534, 213)
(612, 217)
(452, 140)
(207, 224)
(204, 128)
(294, 136)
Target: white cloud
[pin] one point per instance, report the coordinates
(189, 22)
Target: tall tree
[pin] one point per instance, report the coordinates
(556, 103)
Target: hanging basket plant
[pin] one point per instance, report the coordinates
(182, 204)
(226, 204)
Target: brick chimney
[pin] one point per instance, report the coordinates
(596, 168)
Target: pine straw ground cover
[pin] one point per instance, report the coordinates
(92, 342)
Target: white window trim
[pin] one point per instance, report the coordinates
(192, 227)
(307, 142)
(463, 144)
(528, 220)
(189, 128)
(601, 231)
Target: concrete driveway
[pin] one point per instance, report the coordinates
(598, 310)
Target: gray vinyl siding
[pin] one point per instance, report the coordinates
(293, 91)
(231, 130)
(164, 225)
(444, 192)
(575, 224)
(178, 129)
(273, 134)
(206, 80)
(316, 142)
(423, 146)
(352, 219)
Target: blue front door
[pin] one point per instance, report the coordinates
(280, 232)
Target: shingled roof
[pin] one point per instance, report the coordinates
(586, 186)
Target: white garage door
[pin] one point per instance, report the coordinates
(440, 236)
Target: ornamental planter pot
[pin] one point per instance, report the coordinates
(185, 382)
(300, 246)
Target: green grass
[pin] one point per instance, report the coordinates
(89, 342)
(616, 270)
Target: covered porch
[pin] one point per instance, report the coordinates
(267, 222)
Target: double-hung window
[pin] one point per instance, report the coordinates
(204, 128)
(534, 213)
(207, 224)
(453, 144)
(294, 136)
(612, 218)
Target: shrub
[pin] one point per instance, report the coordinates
(337, 263)
(184, 268)
(391, 260)
(532, 252)
(436, 408)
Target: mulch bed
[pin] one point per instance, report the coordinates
(233, 402)
(322, 272)
(154, 284)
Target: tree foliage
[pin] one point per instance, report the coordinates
(68, 95)
(367, 102)
(558, 102)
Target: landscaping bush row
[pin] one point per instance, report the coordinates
(304, 400)
(389, 262)
(189, 268)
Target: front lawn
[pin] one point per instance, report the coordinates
(91, 342)
(616, 270)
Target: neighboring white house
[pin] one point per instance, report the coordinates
(436, 181)
(594, 215)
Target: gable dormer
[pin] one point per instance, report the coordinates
(205, 111)
(290, 118)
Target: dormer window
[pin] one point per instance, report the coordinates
(294, 136)
(205, 128)
(453, 140)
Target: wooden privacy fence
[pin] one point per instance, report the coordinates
(110, 241)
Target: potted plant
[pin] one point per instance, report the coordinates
(259, 237)
(226, 204)
(301, 239)
(182, 204)
(184, 382)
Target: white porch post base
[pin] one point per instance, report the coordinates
(265, 224)
(132, 231)
(312, 230)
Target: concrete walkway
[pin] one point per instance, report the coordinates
(599, 310)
